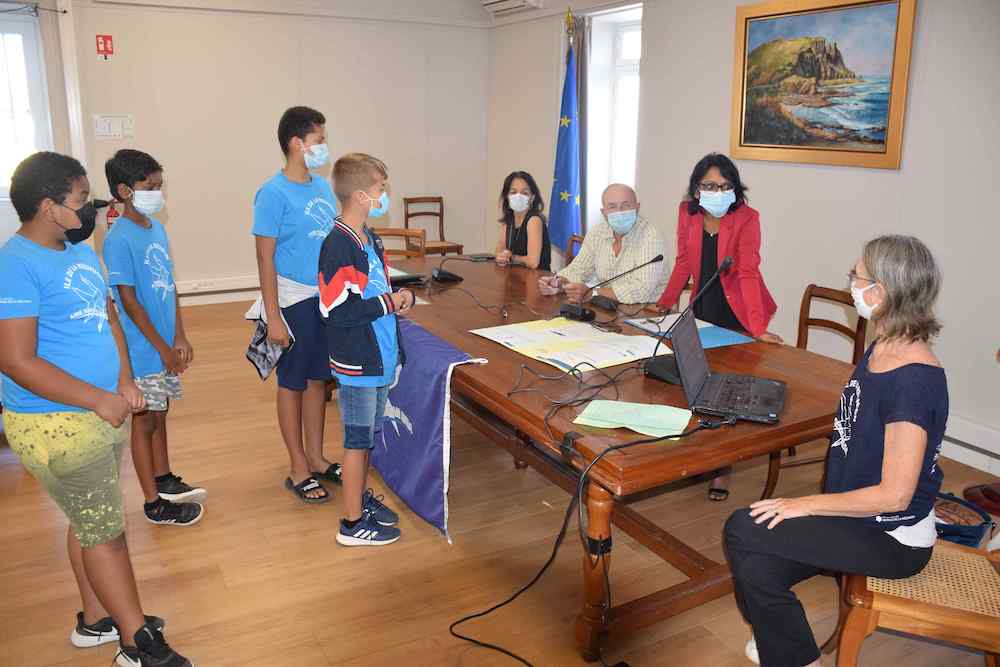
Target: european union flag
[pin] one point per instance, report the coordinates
(564, 214)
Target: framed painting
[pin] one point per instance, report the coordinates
(822, 81)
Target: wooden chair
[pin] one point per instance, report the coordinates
(857, 335)
(415, 241)
(439, 247)
(956, 598)
(574, 243)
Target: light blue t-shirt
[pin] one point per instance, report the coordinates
(67, 292)
(385, 328)
(299, 216)
(140, 258)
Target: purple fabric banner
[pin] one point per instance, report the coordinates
(414, 453)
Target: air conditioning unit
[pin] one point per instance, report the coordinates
(504, 7)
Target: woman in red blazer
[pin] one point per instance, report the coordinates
(715, 222)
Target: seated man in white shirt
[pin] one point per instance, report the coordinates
(616, 244)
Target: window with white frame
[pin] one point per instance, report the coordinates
(612, 102)
(25, 127)
(625, 102)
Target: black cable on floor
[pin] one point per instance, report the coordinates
(575, 501)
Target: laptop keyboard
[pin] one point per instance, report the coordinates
(735, 393)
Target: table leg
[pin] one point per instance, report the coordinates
(773, 468)
(592, 620)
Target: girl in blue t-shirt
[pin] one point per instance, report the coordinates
(67, 396)
(876, 514)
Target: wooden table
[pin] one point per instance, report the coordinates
(480, 395)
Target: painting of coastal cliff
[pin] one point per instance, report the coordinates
(821, 80)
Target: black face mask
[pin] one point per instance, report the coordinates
(88, 219)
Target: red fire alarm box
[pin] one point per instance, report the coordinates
(105, 46)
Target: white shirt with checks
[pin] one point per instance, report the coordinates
(596, 262)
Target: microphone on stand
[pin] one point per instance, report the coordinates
(665, 368)
(575, 311)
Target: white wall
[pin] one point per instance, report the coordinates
(526, 63)
(815, 218)
(207, 89)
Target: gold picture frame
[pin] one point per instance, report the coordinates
(795, 96)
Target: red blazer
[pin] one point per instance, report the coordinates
(739, 237)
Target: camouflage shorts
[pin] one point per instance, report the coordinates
(159, 389)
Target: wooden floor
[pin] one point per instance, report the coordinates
(261, 581)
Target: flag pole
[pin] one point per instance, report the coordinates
(569, 32)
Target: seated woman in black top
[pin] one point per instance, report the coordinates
(524, 237)
(876, 514)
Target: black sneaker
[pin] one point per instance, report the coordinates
(150, 650)
(178, 514)
(171, 487)
(103, 631)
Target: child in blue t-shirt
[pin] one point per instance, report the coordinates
(292, 214)
(141, 273)
(67, 394)
(359, 305)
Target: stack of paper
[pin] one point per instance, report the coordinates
(564, 343)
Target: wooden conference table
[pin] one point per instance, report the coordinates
(480, 395)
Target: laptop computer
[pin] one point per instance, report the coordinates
(744, 397)
(400, 278)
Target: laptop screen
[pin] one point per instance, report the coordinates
(690, 355)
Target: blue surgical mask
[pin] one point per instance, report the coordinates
(716, 203)
(622, 222)
(317, 155)
(381, 209)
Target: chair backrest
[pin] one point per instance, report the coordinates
(415, 241)
(839, 296)
(575, 241)
(417, 201)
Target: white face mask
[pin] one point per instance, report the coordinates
(858, 294)
(519, 202)
(148, 202)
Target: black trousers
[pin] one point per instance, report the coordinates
(767, 563)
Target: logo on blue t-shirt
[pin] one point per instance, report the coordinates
(158, 262)
(88, 284)
(321, 213)
(376, 276)
(850, 404)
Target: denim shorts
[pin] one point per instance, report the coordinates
(362, 410)
(307, 359)
(75, 456)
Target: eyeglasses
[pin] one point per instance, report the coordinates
(852, 276)
(709, 186)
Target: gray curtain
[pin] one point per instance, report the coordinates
(581, 47)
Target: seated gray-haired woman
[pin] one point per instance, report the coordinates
(875, 515)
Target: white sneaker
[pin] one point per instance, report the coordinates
(751, 651)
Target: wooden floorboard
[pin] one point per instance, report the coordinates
(261, 580)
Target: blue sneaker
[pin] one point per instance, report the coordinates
(367, 533)
(373, 504)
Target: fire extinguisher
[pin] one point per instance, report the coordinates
(112, 214)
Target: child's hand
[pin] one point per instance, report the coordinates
(171, 361)
(277, 332)
(113, 408)
(183, 349)
(503, 257)
(132, 394)
(403, 300)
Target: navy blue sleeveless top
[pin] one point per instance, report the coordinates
(914, 393)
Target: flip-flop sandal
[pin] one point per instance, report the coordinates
(304, 487)
(331, 474)
(718, 495)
